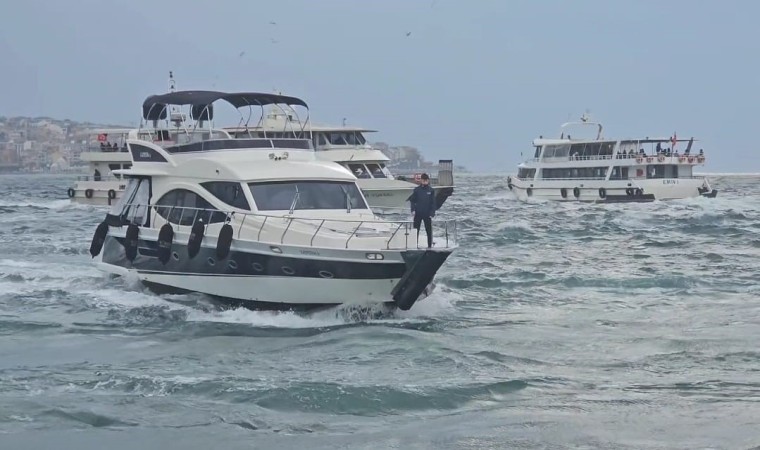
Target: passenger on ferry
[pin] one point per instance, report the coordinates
(701, 152)
(96, 175)
(659, 148)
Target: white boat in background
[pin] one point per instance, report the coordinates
(258, 222)
(347, 146)
(106, 153)
(608, 170)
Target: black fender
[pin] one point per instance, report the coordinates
(130, 241)
(98, 239)
(196, 236)
(224, 241)
(165, 239)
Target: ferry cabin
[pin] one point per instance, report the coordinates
(606, 170)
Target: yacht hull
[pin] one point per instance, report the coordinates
(396, 198)
(267, 280)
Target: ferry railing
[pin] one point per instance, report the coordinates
(343, 231)
(101, 178)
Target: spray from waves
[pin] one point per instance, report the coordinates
(43, 204)
(130, 303)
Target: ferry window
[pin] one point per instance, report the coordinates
(619, 173)
(360, 139)
(538, 152)
(281, 196)
(548, 151)
(576, 150)
(607, 148)
(322, 140)
(592, 149)
(229, 192)
(337, 139)
(359, 170)
(526, 173)
(376, 170)
(181, 206)
(350, 138)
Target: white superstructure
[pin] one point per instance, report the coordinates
(106, 153)
(347, 146)
(258, 222)
(608, 170)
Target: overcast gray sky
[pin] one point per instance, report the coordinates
(475, 80)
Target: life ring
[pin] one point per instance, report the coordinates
(602, 192)
(629, 191)
(691, 159)
(661, 158)
(563, 192)
(576, 192)
(639, 160)
(682, 159)
(649, 159)
(111, 194)
(529, 191)
(71, 193)
(88, 193)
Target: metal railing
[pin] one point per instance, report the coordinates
(386, 234)
(100, 178)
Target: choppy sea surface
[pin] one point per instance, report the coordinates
(553, 326)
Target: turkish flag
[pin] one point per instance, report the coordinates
(102, 137)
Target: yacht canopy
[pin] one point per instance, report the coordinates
(155, 106)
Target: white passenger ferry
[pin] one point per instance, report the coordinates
(605, 170)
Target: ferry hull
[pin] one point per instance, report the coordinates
(99, 193)
(615, 191)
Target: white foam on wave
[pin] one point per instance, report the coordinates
(515, 225)
(45, 204)
(269, 319)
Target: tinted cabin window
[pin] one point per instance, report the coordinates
(230, 193)
(376, 171)
(359, 170)
(281, 196)
(182, 207)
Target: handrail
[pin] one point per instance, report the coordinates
(342, 232)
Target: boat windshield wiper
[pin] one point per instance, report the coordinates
(295, 200)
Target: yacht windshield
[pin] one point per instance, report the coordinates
(303, 195)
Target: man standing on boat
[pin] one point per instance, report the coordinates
(423, 207)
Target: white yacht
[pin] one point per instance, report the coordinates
(607, 170)
(346, 145)
(106, 153)
(257, 222)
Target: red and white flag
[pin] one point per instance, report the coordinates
(102, 137)
(673, 141)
